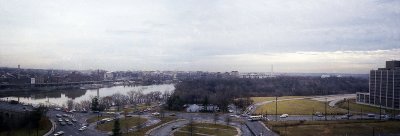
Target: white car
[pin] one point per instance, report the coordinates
(284, 116)
(82, 128)
(155, 113)
(59, 133)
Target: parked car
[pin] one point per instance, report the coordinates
(384, 117)
(284, 116)
(69, 123)
(370, 116)
(73, 120)
(59, 133)
(83, 128)
(58, 115)
(174, 127)
(129, 115)
(85, 124)
(62, 123)
(397, 117)
(155, 113)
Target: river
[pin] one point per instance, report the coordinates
(60, 97)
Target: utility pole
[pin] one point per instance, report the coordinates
(326, 99)
(380, 111)
(348, 109)
(312, 114)
(276, 108)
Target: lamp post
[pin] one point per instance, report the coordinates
(276, 108)
(326, 99)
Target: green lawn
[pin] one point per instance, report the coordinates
(298, 107)
(125, 123)
(208, 129)
(263, 99)
(45, 126)
(143, 131)
(322, 128)
(94, 118)
(357, 107)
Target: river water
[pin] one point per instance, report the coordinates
(60, 97)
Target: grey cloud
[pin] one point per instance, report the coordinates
(187, 34)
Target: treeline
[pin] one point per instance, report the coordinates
(31, 121)
(225, 91)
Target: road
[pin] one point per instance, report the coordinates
(199, 117)
(259, 129)
(73, 130)
(166, 130)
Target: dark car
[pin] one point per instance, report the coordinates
(174, 127)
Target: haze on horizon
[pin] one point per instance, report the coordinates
(310, 36)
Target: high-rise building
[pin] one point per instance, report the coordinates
(384, 87)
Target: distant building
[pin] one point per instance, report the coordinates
(200, 107)
(235, 74)
(325, 76)
(193, 108)
(384, 87)
(108, 76)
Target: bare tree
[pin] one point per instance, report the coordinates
(215, 117)
(227, 120)
(191, 126)
(70, 104)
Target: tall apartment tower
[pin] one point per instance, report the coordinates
(384, 87)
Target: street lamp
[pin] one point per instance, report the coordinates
(326, 99)
(276, 108)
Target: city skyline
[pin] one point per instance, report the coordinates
(307, 37)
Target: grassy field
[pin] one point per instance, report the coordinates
(262, 99)
(357, 107)
(208, 129)
(45, 126)
(298, 107)
(318, 128)
(143, 131)
(125, 123)
(94, 118)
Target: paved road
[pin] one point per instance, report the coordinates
(73, 130)
(259, 129)
(209, 117)
(167, 129)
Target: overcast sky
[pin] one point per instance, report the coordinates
(347, 36)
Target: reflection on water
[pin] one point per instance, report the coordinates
(60, 97)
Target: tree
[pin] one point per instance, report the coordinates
(215, 117)
(227, 120)
(116, 130)
(191, 126)
(70, 104)
(205, 103)
(95, 104)
(36, 116)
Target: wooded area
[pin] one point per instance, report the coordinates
(225, 91)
